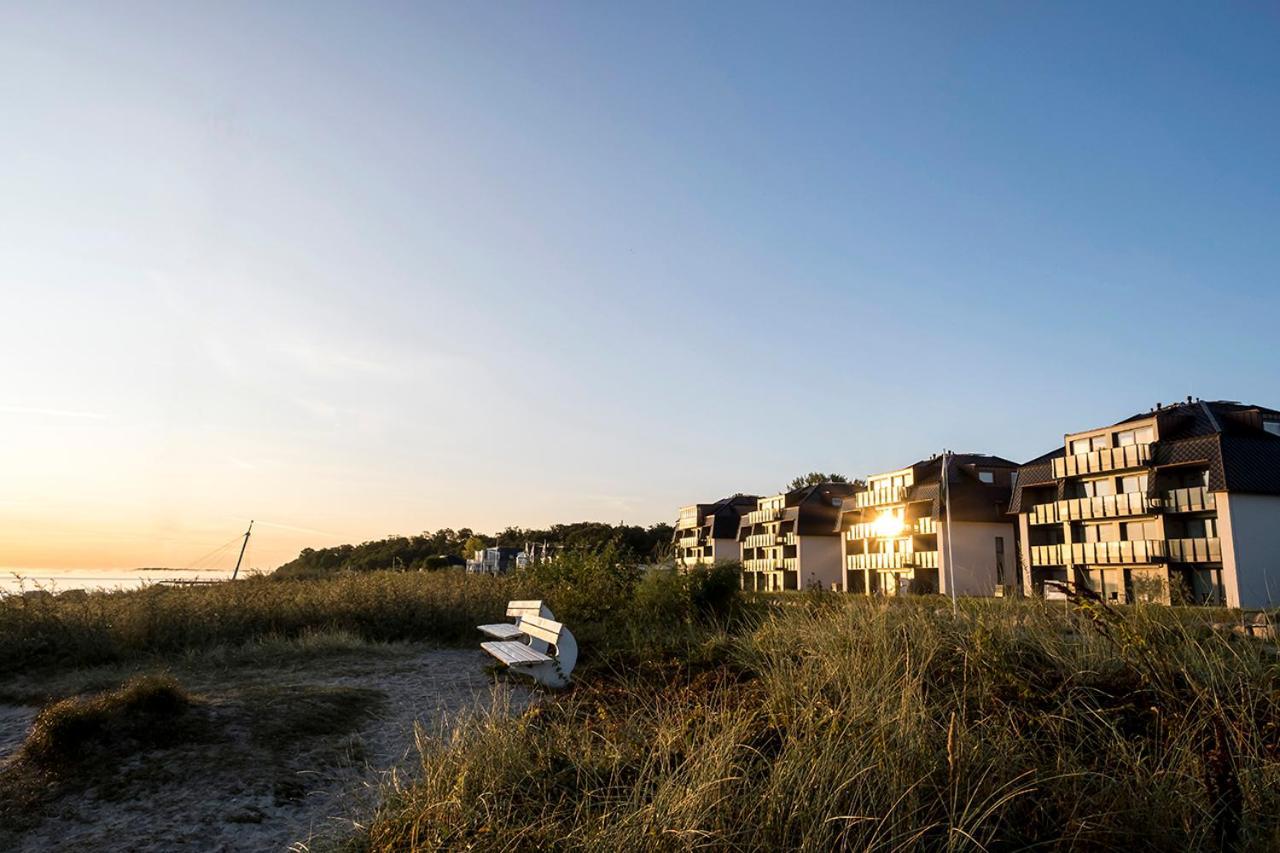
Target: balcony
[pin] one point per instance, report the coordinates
(762, 565)
(763, 516)
(762, 540)
(879, 497)
(906, 560)
(1044, 514)
(687, 542)
(925, 526)
(791, 564)
(1195, 550)
(1101, 461)
(1190, 500)
(1048, 555)
(1107, 553)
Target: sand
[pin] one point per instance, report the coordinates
(236, 792)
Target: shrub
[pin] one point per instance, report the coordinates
(70, 730)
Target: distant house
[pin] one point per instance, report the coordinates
(493, 561)
(706, 534)
(791, 541)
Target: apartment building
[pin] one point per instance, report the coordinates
(790, 541)
(895, 535)
(1181, 503)
(708, 533)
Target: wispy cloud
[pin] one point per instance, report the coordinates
(52, 413)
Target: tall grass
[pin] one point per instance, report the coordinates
(47, 631)
(851, 724)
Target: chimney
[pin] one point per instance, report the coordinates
(1188, 398)
(1157, 408)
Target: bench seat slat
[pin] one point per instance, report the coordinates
(502, 631)
(512, 652)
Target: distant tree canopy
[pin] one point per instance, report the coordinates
(435, 550)
(813, 478)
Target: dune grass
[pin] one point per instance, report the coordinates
(43, 632)
(849, 724)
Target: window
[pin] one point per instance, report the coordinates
(1080, 445)
(987, 476)
(1098, 442)
(1272, 427)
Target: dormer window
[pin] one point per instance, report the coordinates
(987, 476)
(1272, 427)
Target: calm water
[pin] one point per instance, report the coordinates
(60, 580)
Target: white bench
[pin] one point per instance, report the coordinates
(508, 631)
(550, 667)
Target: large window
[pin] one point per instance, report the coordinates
(1272, 427)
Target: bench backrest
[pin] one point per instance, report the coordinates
(541, 628)
(524, 608)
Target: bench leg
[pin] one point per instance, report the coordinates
(548, 673)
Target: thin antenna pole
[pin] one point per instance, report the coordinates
(243, 545)
(946, 497)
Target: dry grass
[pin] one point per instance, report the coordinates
(43, 632)
(850, 724)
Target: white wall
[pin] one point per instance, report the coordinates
(726, 550)
(820, 558)
(1249, 530)
(973, 547)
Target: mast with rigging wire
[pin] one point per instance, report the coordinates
(243, 545)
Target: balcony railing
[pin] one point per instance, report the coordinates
(762, 540)
(1195, 550)
(687, 541)
(1048, 555)
(791, 564)
(1103, 553)
(1105, 506)
(924, 526)
(901, 560)
(1101, 461)
(1198, 499)
(877, 497)
(762, 565)
(761, 516)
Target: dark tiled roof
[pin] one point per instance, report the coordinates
(1226, 437)
(1251, 463)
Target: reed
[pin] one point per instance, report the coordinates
(47, 631)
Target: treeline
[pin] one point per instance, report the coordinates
(428, 550)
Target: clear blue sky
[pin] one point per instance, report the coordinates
(372, 268)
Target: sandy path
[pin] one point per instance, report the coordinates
(235, 792)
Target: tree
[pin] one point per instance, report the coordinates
(473, 544)
(814, 478)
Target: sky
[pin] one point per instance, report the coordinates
(365, 269)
